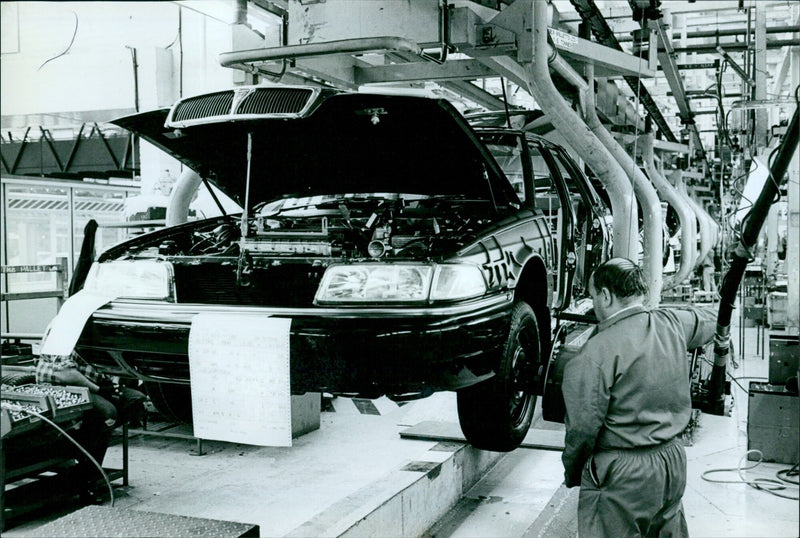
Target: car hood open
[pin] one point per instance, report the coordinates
(345, 143)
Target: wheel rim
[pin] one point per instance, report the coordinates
(521, 370)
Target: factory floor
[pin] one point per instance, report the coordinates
(358, 456)
(511, 490)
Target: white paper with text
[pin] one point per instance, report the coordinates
(67, 326)
(239, 370)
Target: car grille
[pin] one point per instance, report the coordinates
(204, 106)
(275, 101)
(289, 285)
(259, 101)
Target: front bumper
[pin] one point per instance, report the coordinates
(369, 351)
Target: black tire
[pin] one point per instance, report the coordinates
(172, 400)
(496, 414)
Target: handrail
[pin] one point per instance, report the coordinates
(61, 268)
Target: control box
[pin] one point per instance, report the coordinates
(784, 353)
(773, 423)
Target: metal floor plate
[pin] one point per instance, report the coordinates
(108, 521)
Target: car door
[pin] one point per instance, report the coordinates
(552, 197)
(592, 234)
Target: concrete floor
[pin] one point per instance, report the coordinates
(523, 496)
(331, 479)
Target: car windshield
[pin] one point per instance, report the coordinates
(507, 151)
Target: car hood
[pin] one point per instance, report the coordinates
(334, 143)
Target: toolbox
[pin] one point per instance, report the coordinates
(773, 423)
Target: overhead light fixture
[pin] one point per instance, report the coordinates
(760, 103)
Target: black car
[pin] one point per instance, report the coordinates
(384, 227)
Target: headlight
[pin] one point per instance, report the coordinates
(390, 283)
(457, 282)
(135, 279)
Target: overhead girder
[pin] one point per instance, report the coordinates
(722, 32)
(604, 35)
(666, 59)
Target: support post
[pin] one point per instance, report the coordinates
(760, 76)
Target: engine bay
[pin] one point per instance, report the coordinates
(338, 227)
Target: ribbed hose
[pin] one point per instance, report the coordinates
(741, 257)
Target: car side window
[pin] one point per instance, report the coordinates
(546, 195)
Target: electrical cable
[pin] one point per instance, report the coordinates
(734, 379)
(770, 485)
(13, 407)
(793, 471)
(66, 50)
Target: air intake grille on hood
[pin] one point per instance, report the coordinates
(247, 101)
(275, 101)
(204, 106)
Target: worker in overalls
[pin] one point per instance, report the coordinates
(627, 396)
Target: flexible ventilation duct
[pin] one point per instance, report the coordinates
(686, 216)
(578, 135)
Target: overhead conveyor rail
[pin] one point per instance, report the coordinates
(591, 14)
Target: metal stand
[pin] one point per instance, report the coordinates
(163, 432)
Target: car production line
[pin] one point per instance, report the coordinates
(362, 474)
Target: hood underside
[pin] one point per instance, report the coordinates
(347, 143)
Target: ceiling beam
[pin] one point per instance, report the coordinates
(423, 71)
(466, 89)
(666, 58)
(724, 32)
(603, 33)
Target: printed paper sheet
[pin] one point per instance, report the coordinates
(239, 368)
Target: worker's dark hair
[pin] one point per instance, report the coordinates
(621, 277)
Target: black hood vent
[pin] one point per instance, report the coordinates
(241, 102)
(204, 106)
(275, 101)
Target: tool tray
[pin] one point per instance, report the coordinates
(64, 402)
(16, 422)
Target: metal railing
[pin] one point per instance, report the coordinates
(60, 293)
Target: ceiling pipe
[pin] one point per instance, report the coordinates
(676, 184)
(241, 58)
(720, 32)
(181, 198)
(686, 216)
(653, 244)
(706, 243)
(581, 139)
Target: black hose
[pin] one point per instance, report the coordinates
(85, 259)
(741, 257)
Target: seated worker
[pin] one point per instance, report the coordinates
(111, 406)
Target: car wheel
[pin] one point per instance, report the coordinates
(172, 400)
(496, 414)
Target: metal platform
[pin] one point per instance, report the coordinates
(107, 521)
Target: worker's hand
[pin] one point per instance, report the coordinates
(71, 376)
